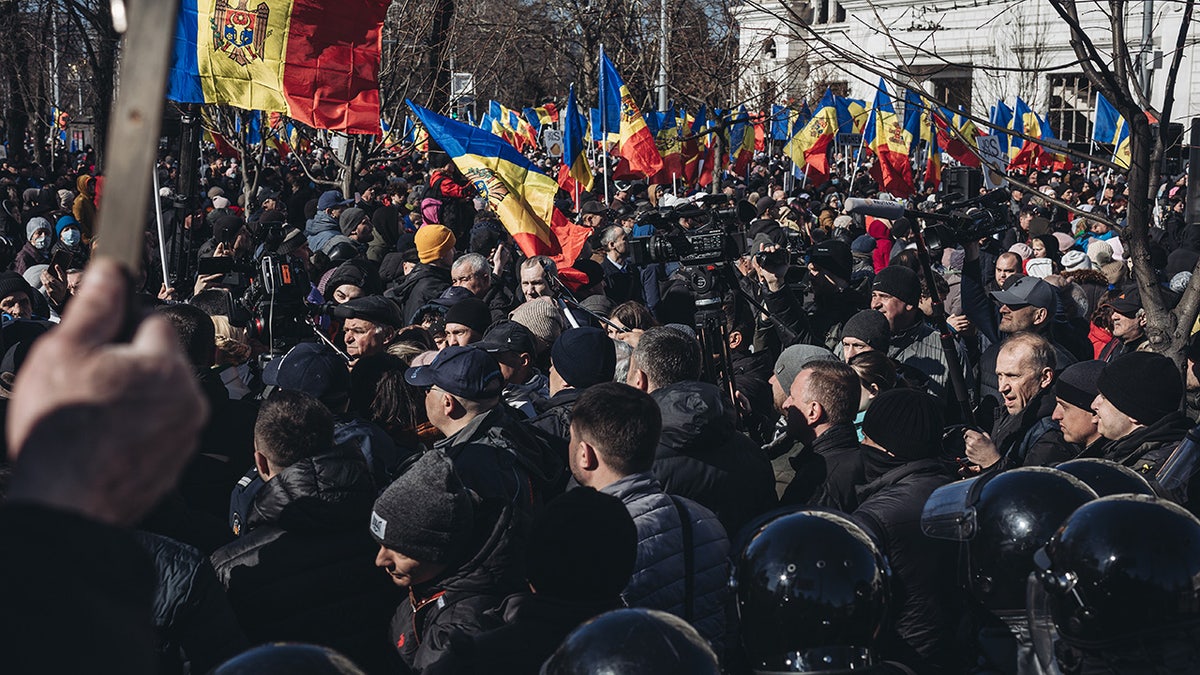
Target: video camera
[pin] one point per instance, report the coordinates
(276, 302)
(719, 239)
(971, 218)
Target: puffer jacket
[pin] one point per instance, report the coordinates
(703, 457)
(320, 230)
(1146, 448)
(1031, 437)
(197, 630)
(304, 568)
(659, 579)
(417, 288)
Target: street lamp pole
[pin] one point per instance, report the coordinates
(663, 55)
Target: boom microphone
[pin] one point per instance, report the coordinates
(878, 208)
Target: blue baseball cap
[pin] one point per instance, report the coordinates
(332, 199)
(312, 368)
(463, 371)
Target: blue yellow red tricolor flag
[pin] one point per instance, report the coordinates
(887, 139)
(809, 147)
(741, 141)
(1111, 129)
(520, 195)
(620, 113)
(957, 135)
(318, 62)
(574, 159)
(1022, 119)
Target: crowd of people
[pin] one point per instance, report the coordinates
(370, 427)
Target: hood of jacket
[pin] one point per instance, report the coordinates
(691, 410)
(322, 222)
(500, 428)
(332, 491)
(901, 474)
(84, 185)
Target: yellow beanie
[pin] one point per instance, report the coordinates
(431, 240)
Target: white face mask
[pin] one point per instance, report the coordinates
(40, 241)
(70, 237)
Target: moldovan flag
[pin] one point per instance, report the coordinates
(1111, 129)
(1001, 117)
(669, 147)
(960, 144)
(810, 146)
(1024, 121)
(888, 140)
(620, 112)
(520, 194)
(317, 62)
(741, 141)
(574, 159)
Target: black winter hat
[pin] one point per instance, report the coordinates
(356, 273)
(1144, 385)
(583, 546)
(426, 514)
(11, 282)
(906, 422)
(1077, 383)
(833, 256)
(472, 313)
(900, 282)
(871, 327)
(584, 356)
(374, 308)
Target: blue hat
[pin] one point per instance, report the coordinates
(332, 199)
(463, 371)
(63, 223)
(312, 368)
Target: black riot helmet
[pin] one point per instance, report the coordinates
(289, 658)
(633, 642)
(1003, 518)
(812, 592)
(1107, 477)
(1120, 568)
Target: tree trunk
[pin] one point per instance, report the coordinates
(439, 37)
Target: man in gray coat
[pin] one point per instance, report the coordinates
(682, 553)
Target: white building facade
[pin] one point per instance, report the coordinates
(969, 53)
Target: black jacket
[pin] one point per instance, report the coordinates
(1146, 448)
(304, 568)
(752, 373)
(417, 288)
(703, 457)
(458, 602)
(1030, 438)
(923, 568)
(828, 472)
(533, 627)
(59, 566)
(197, 630)
(553, 421)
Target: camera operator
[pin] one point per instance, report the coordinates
(834, 300)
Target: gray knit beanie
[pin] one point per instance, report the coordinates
(426, 514)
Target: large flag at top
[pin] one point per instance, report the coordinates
(1111, 129)
(520, 194)
(887, 139)
(316, 62)
(620, 113)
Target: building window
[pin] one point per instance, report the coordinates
(822, 11)
(955, 91)
(839, 14)
(1072, 102)
(828, 11)
(769, 48)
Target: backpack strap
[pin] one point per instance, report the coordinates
(689, 562)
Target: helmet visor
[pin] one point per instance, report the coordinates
(1177, 470)
(949, 512)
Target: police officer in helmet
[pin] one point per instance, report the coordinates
(812, 596)
(1001, 520)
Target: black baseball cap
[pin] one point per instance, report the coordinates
(1127, 303)
(374, 308)
(462, 371)
(508, 336)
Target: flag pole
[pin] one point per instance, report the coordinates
(158, 219)
(862, 142)
(603, 128)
